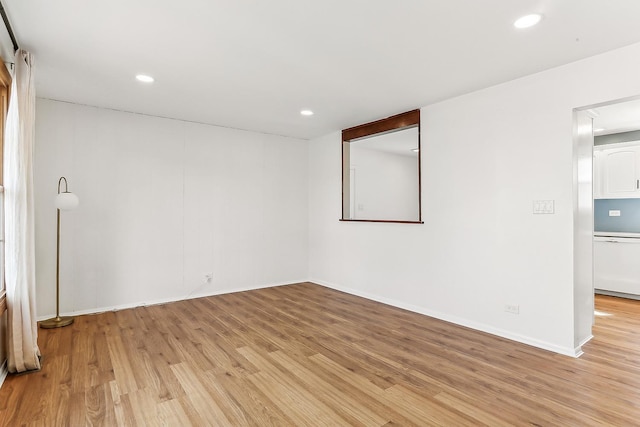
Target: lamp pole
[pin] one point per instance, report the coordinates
(64, 201)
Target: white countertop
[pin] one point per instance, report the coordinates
(612, 234)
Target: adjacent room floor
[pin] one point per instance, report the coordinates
(307, 355)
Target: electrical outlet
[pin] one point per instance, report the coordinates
(207, 277)
(512, 308)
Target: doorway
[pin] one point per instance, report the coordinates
(616, 199)
(604, 203)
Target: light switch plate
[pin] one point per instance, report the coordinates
(543, 206)
(614, 213)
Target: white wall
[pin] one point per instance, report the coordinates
(485, 157)
(583, 220)
(162, 202)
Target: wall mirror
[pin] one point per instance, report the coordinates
(381, 170)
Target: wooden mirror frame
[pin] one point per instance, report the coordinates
(390, 124)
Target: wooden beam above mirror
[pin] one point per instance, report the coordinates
(399, 121)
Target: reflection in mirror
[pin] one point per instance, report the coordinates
(381, 170)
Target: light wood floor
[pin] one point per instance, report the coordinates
(307, 355)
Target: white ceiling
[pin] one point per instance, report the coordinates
(255, 64)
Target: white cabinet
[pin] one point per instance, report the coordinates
(616, 264)
(617, 171)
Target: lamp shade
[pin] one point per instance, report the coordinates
(67, 201)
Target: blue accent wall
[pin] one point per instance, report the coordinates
(627, 222)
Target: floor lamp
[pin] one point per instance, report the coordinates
(65, 201)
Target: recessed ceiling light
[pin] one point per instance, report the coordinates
(306, 112)
(528, 21)
(598, 130)
(144, 78)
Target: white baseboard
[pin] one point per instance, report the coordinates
(4, 371)
(617, 294)
(578, 349)
(167, 300)
(567, 351)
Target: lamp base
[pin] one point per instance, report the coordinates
(56, 322)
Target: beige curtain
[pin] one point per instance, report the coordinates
(22, 342)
